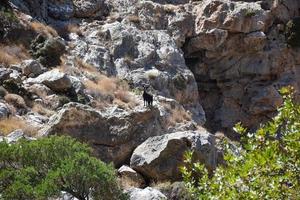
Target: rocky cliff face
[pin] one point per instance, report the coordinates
(78, 67)
(240, 58)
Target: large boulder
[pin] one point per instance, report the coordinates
(146, 194)
(113, 134)
(54, 79)
(160, 157)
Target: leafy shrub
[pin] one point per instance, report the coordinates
(292, 32)
(267, 166)
(43, 168)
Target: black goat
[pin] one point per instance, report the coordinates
(148, 98)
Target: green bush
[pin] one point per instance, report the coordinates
(292, 32)
(267, 166)
(43, 168)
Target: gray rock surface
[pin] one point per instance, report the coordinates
(113, 134)
(4, 110)
(239, 57)
(17, 135)
(140, 57)
(89, 8)
(160, 157)
(54, 79)
(4, 73)
(129, 178)
(146, 194)
(31, 68)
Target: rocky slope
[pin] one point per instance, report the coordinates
(78, 67)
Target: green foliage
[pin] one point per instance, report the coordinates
(267, 165)
(292, 32)
(43, 168)
(8, 14)
(250, 12)
(137, 91)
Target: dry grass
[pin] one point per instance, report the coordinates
(73, 28)
(40, 109)
(177, 115)
(80, 68)
(14, 54)
(43, 29)
(113, 17)
(13, 123)
(104, 86)
(170, 9)
(65, 30)
(84, 66)
(110, 90)
(134, 18)
(15, 100)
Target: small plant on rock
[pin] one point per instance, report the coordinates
(292, 32)
(250, 12)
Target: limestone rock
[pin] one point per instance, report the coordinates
(129, 178)
(62, 10)
(146, 194)
(131, 54)
(17, 135)
(239, 49)
(89, 8)
(266, 100)
(171, 1)
(176, 190)
(31, 68)
(4, 111)
(54, 79)
(113, 134)
(159, 157)
(236, 17)
(4, 73)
